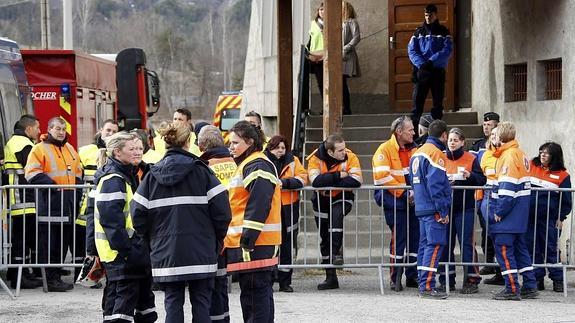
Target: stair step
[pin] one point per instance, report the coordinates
(385, 120)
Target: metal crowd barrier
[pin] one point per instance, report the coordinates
(366, 236)
(46, 230)
(365, 240)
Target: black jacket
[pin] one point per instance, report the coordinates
(183, 211)
(133, 259)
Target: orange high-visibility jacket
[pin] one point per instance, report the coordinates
(295, 170)
(317, 167)
(387, 168)
(247, 225)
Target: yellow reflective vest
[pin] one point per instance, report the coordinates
(105, 252)
(19, 203)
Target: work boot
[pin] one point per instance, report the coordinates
(529, 293)
(505, 295)
(541, 284)
(286, 288)
(26, 283)
(558, 286)
(469, 288)
(433, 294)
(497, 279)
(443, 289)
(411, 282)
(63, 272)
(395, 287)
(330, 281)
(487, 271)
(57, 285)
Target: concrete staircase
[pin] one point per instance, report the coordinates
(363, 134)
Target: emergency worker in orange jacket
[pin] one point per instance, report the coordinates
(54, 161)
(391, 168)
(254, 235)
(332, 165)
(292, 175)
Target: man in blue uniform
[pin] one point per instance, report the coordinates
(432, 205)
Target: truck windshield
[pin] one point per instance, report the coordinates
(229, 118)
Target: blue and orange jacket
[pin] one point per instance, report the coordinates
(388, 170)
(512, 191)
(429, 179)
(430, 43)
(559, 204)
(456, 161)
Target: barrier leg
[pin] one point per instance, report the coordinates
(18, 281)
(6, 289)
(44, 280)
(447, 278)
(381, 283)
(564, 281)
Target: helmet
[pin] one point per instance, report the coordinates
(92, 272)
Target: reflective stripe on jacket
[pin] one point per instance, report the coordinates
(253, 237)
(20, 201)
(112, 202)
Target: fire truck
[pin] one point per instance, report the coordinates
(85, 90)
(15, 97)
(227, 112)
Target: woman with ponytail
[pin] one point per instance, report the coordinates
(182, 210)
(254, 235)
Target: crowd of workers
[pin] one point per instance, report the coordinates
(136, 220)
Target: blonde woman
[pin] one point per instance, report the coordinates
(350, 36)
(128, 294)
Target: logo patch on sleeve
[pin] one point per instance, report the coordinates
(415, 166)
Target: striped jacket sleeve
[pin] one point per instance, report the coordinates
(381, 163)
(414, 51)
(510, 186)
(438, 187)
(354, 178)
(139, 208)
(110, 202)
(34, 171)
(260, 180)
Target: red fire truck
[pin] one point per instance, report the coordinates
(86, 90)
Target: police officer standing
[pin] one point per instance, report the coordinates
(332, 165)
(432, 206)
(429, 50)
(55, 161)
(490, 121)
(21, 202)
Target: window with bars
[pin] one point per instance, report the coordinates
(516, 82)
(550, 81)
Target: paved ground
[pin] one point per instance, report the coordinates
(358, 300)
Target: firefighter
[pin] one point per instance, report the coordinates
(89, 157)
(183, 248)
(391, 168)
(21, 206)
(509, 221)
(332, 165)
(55, 161)
(462, 169)
(432, 193)
(124, 254)
(292, 176)
(218, 158)
(180, 115)
(254, 235)
(548, 210)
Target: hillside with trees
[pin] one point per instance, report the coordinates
(197, 47)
